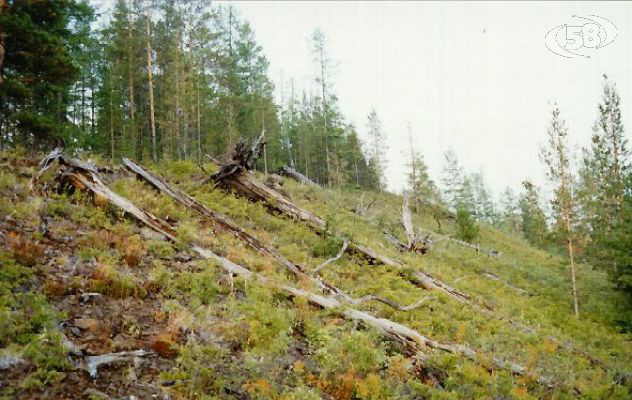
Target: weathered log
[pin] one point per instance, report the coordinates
(228, 225)
(297, 176)
(410, 339)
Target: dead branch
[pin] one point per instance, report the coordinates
(392, 303)
(333, 259)
(495, 277)
(92, 363)
(490, 252)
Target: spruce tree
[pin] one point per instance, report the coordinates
(41, 41)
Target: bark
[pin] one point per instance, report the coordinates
(152, 118)
(412, 341)
(111, 120)
(130, 78)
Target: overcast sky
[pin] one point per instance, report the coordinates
(473, 76)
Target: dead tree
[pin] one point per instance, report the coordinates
(416, 243)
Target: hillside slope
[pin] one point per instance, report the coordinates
(80, 278)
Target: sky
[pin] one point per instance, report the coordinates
(476, 77)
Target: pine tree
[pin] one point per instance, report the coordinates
(601, 184)
(556, 156)
(483, 205)
(467, 228)
(619, 243)
(420, 185)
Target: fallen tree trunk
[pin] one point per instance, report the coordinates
(410, 339)
(490, 252)
(297, 176)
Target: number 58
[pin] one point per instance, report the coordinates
(586, 35)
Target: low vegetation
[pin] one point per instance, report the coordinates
(213, 335)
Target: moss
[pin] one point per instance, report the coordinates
(28, 325)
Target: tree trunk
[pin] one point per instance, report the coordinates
(3, 8)
(111, 119)
(132, 101)
(152, 120)
(571, 265)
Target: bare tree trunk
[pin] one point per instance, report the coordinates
(3, 9)
(111, 120)
(199, 123)
(132, 102)
(571, 265)
(152, 119)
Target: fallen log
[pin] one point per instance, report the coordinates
(92, 363)
(490, 252)
(235, 175)
(413, 341)
(495, 277)
(297, 176)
